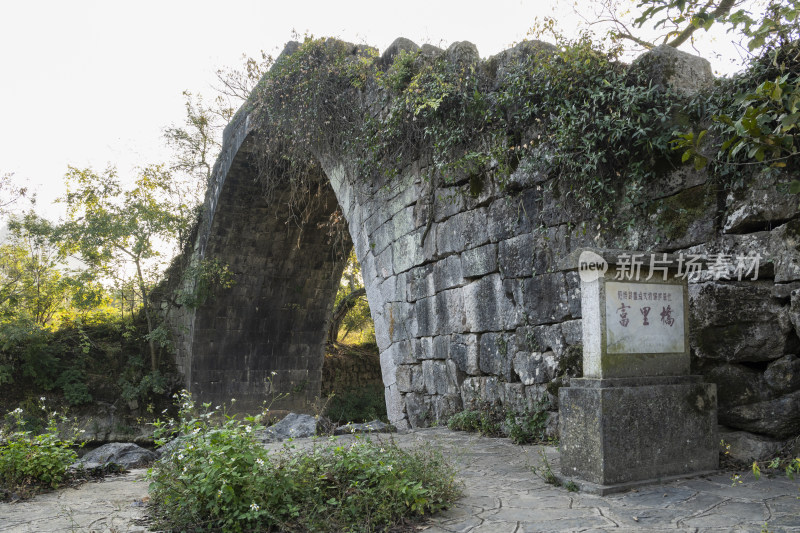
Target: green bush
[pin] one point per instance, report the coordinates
(487, 421)
(221, 477)
(522, 427)
(358, 405)
(29, 461)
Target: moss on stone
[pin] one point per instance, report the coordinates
(675, 214)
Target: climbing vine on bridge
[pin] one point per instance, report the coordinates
(573, 114)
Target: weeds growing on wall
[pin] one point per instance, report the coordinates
(593, 129)
(573, 112)
(220, 477)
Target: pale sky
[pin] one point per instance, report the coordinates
(94, 83)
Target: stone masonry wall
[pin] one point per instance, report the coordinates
(346, 371)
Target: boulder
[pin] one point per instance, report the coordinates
(398, 45)
(376, 426)
(783, 375)
(738, 385)
(744, 447)
(124, 454)
(739, 322)
(463, 54)
(784, 250)
(763, 204)
(293, 426)
(778, 418)
(669, 67)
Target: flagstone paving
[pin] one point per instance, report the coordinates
(501, 495)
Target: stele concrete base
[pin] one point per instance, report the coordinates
(620, 433)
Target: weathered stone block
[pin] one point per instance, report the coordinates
(572, 331)
(476, 391)
(441, 347)
(613, 434)
(423, 348)
(667, 66)
(545, 298)
(461, 231)
(512, 216)
(479, 261)
(398, 315)
(573, 293)
(550, 245)
(495, 355)
(761, 205)
(401, 352)
(395, 407)
(381, 238)
(407, 252)
(778, 418)
(403, 223)
(383, 263)
(420, 282)
(450, 312)
(783, 375)
(746, 447)
(535, 367)
(437, 378)
(737, 385)
(739, 322)
(514, 397)
(487, 306)
(464, 353)
(455, 374)
(427, 320)
(540, 339)
(784, 250)
(447, 273)
(515, 256)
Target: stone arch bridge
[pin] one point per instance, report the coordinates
(480, 310)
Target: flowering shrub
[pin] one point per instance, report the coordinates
(28, 461)
(220, 477)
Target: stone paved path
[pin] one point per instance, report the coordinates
(501, 495)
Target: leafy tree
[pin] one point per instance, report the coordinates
(351, 309)
(113, 229)
(195, 144)
(32, 286)
(762, 124)
(9, 192)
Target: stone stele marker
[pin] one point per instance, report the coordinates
(637, 416)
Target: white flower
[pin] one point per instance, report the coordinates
(273, 373)
(219, 493)
(260, 462)
(382, 450)
(180, 457)
(254, 506)
(389, 468)
(248, 429)
(196, 431)
(42, 398)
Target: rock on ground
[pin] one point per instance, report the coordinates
(125, 454)
(293, 426)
